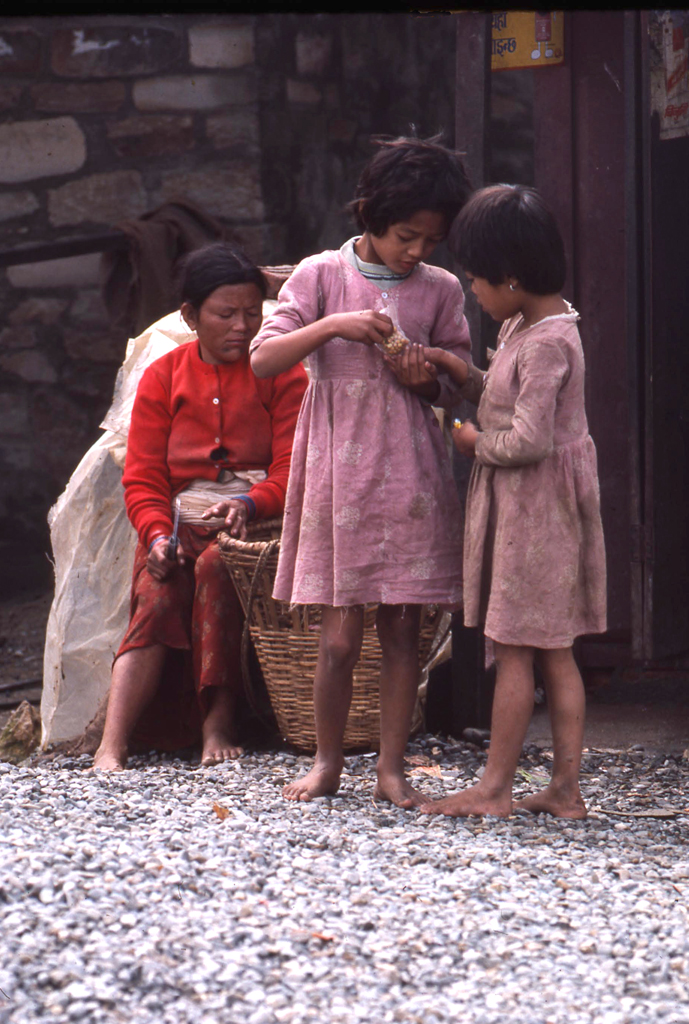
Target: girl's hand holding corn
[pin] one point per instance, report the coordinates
(364, 325)
(410, 367)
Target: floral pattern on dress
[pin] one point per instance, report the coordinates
(369, 455)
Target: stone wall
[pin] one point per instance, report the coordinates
(262, 120)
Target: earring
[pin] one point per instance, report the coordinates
(513, 287)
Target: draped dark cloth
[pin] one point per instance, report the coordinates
(138, 283)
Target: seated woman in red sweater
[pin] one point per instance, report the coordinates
(206, 430)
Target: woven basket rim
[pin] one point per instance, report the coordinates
(228, 543)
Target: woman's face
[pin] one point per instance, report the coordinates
(226, 322)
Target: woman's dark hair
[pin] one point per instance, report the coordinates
(201, 271)
(405, 176)
(508, 231)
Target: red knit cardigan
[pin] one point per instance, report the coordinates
(184, 409)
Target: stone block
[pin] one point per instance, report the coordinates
(111, 52)
(88, 307)
(221, 45)
(151, 135)
(16, 457)
(45, 311)
(20, 52)
(18, 337)
(341, 129)
(96, 346)
(62, 424)
(302, 92)
(200, 92)
(15, 413)
(98, 199)
(231, 190)
(79, 97)
(21, 734)
(40, 149)
(313, 53)
(263, 243)
(10, 94)
(68, 272)
(333, 100)
(29, 364)
(17, 204)
(239, 127)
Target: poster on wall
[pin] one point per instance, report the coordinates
(527, 39)
(669, 68)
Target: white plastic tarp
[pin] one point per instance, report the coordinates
(93, 551)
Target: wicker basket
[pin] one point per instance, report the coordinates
(286, 642)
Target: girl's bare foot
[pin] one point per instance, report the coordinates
(471, 802)
(556, 801)
(393, 786)
(107, 760)
(322, 780)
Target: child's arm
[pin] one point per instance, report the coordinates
(282, 351)
(543, 367)
(449, 333)
(465, 375)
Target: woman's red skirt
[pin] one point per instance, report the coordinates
(196, 614)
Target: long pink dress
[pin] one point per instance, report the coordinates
(534, 557)
(372, 513)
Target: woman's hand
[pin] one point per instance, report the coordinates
(234, 513)
(464, 438)
(364, 325)
(451, 364)
(158, 564)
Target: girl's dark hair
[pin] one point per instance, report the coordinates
(405, 176)
(201, 271)
(508, 231)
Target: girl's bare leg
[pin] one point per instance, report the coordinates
(512, 710)
(338, 653)
(135, 679)
(398, 632)
(567, 707)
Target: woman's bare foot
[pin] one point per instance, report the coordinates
(217, 732)
(393, 786)
(107, 760)
(556, 801)
(469, 803)
(322, 780)
(217, 747)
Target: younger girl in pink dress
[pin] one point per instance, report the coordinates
(372, 514)
(534, 560)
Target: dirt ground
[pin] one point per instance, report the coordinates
(651, 709)
(22, 636)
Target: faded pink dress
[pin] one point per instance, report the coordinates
(372, 512)
(534, 557)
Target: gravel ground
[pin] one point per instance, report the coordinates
(171, 893)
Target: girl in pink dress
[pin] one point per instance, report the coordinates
(534, 559)
(372, 514)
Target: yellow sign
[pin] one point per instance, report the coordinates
(527, 39)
